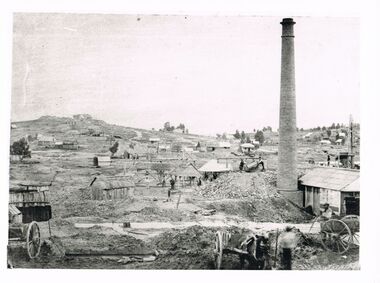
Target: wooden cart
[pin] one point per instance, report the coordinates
(28, 205)
(339, 235)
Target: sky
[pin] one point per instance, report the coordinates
(215, 74)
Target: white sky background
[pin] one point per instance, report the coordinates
(214, 74)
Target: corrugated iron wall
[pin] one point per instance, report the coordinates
(111, 194)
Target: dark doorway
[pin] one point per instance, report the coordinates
(352, 205)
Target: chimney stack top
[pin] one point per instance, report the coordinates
(287, 21)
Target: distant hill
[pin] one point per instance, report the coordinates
(90, 132)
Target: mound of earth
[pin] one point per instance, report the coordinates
(252, 196)
(191, 248)
(239, 185)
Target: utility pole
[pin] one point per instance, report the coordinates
(351, 142)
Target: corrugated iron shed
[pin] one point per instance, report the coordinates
(331, 178)
(214, 166)
(188, 171)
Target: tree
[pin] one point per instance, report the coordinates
(318, 128)
(269, 128)
(161, 169)
(181, 126)
(333, 126)
(21, 147)
(237, 134)
(198, 145)
(301, 129)
(218, 136)
(167, 127)
(259, 136)
(324, 129)
(328, 132)
(248, 140)
(224, 136)
(114, 148)
(338, 126)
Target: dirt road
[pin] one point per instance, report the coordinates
(143, 230)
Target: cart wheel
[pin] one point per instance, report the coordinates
(351, 217)
(355, 230)
(218, 251)
(336, 236)
(33, 240)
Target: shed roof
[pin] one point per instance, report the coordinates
(353, 187)
(214, 166)
(219, 144)
(46, 139)
(188, 171)
(13, 210)
(103, 158)
(331, 178)
(224, 144)
(34, 183)
(105, 184)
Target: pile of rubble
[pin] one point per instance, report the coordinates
(252, 196)
(239, 185)
(190, 248)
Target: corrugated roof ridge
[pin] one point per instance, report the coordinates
(351, 182)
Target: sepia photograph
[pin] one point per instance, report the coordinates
(160, 140)
(184, 142)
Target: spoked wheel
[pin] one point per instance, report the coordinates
(336, 236)
(218, 251)
(33, 240)
(354, 224)
(351, 217)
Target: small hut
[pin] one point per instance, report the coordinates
(46, 141)
(102, 161)
(110, 189)
(188, 175)
(213, 168)
(247, 147)
(338, 187)
(70, 145)
(15, 157)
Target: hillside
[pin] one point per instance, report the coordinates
(94, 135)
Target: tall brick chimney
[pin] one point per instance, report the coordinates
(287, 152)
